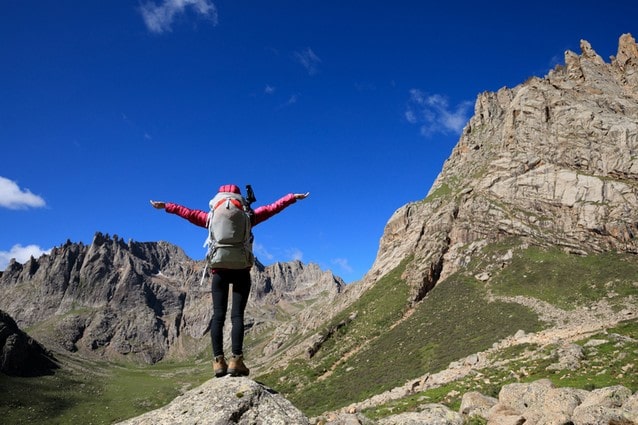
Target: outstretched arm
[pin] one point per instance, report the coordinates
(197, 217)
(265, 212)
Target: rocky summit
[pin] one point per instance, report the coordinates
(553, 161)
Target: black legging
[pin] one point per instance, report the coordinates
(220, 287)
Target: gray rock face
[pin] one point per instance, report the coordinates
(138, 300)
(541, 403)
(21, 355)
(431, 414)
(224, 401)
(553, 160)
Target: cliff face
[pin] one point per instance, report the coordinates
(134, 299)
(553, 160)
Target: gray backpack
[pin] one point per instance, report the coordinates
(230, 239)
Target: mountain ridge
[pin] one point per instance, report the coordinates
(136, 299)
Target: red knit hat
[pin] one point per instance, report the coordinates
(230, 188)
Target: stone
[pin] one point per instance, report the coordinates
(21, 355)
(474, 403)
(431, 414)
(222, 401)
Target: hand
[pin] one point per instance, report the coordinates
(301, 195)
(158, 204)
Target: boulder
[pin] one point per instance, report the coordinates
(222, 401)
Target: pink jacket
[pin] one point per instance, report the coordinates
(200, 218)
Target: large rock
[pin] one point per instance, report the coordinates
(225, 401)
(431, 414)
(541, 403)
(21, 355)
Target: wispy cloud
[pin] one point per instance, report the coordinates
(292, 99)
(309, 60)
(343, 264)
(262, 253)
(159, 17)
(295, 254)
(269, 89)
(15, 198)
(267, 256)
(434, 114)
(22, 254)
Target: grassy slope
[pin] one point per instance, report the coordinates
(611, 363)
(453, 321)
(568, 281)
(565, 281)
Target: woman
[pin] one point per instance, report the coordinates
(222, 278)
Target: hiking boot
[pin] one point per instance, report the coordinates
(236, 366)
(220, 367)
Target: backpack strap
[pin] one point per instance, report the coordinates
(235, 202)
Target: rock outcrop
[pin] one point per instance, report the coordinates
(541, 402)
(21, 355)
(225, 401)
(553, 161)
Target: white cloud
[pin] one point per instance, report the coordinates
(262, 253)
(269, 89)
(309, 60)
(22, 254)
(343, 264)
(159, 18)
(434, 114)
(410, 116)
(295, 254)
(265, 256)
(12, 197)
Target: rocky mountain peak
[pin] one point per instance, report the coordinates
(138, 299)
(553, 160)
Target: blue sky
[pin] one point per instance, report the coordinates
(105, 105)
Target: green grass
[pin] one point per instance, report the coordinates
(374, 312)
(613, 363)
(442, 191)
(566, 280)
(96, 392)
